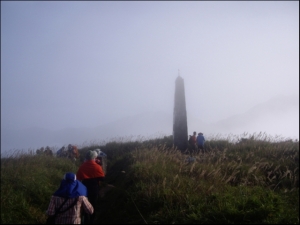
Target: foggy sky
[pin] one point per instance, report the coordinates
(83, 64)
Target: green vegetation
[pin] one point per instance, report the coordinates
(252, 181)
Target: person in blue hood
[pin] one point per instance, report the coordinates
(200, 141)
(70, 198)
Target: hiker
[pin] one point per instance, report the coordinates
(70, 151)
(91, 174)
(48, 151)
(61, 152)
(69, 199)
(192, 141)
(101, 159)
(40, 151)
(73, 152)
(200, 141)
(100, 155)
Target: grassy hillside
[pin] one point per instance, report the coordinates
(251, 182)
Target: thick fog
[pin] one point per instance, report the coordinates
(84, 64)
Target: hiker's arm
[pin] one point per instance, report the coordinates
(51, 208)
(87, 206)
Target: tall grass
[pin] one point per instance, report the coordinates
(27, 182)
(245, 181)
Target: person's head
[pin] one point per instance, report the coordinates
(70, 187)
(195, 133)
(69, 177)
(91, 155)
(98, 150)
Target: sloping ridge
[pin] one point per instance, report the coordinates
(143, 126)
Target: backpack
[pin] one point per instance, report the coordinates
(192, 140)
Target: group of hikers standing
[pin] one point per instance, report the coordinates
(70, 152)
(76, 198)
(44, 151)
(197, 142)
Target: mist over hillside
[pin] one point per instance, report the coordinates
(278, 116)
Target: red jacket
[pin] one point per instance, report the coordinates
(192, 140)
(89, 169)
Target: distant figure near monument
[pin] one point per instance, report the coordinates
(180, 131)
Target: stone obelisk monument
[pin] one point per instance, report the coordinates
(180, 131)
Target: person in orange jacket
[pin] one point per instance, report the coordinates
(91, 174)
(193, 142)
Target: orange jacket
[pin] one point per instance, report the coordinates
(89, 169)
(192, 140)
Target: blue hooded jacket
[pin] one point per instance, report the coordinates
(70, 187)
(200, 139)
